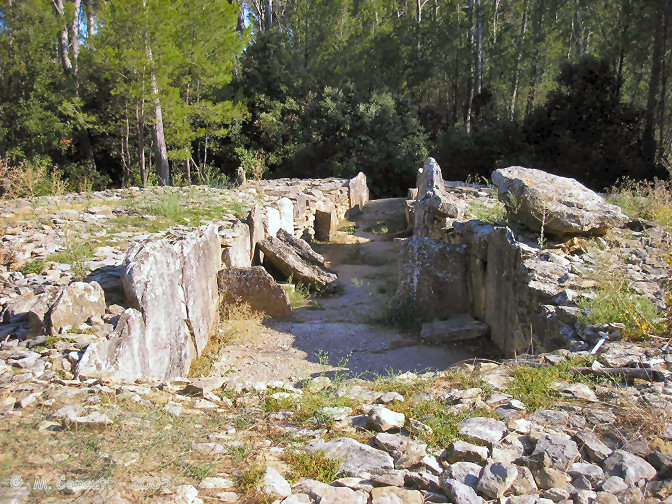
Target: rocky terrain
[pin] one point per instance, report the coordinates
(346, 394)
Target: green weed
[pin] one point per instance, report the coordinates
(314, 465)
(36, 267)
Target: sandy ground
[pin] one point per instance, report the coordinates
(341, 330)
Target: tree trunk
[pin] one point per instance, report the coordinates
(268, 14)
(535, 59)
(140, 116)
(626, 13)
(519, 55)
(654, 85)
(160, 149)
(663, 84)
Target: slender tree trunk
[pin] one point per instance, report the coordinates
(663, 84)
(626, 13)
(471, 80)
(519, 56)
(268, 14)
(160, 149)
(535, 59)
(140, 120)
(654, 85)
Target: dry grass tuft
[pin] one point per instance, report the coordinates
(238, 323)
(650, 200)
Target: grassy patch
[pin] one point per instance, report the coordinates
(534, 386)
(644, 200)
(487, 210)
(637, 312)
(350, 229)
(299, 294)
(36, 267)
(314, 465)
(76, 253)
(238, 323)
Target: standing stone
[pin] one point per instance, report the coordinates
(272, 221)
(240, 177)
(433, 206)
(325, 225)
(255, 221)
(565, 205)
(236, 246)
(358, 192)
(255, 287)
(286, 208)
(432, 278)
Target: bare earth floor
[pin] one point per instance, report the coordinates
(344, 329)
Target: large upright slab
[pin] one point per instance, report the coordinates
(432, 277)
(358, 191)
(171, 288)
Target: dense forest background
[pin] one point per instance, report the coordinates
(132, 92)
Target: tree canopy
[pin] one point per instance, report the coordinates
(185, 91)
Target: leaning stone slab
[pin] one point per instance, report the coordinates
(289, 259)
(564, 205)
(255, 287)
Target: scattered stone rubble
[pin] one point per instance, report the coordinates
(148, 306)
(581, 450)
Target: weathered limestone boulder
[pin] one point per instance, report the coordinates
(255, 287)
(432, 278)
(355, 457)
(459, 328)
(358, 191)
(434, 206)
(293, 257)
(172, 288)
(76, 303)
(236, 246)
(564, 205)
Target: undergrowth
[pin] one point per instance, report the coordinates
(315, 465)
(650, 200)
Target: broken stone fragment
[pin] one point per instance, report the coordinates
(255, 287)
(458, 328)
(76, 303)
(383, 419)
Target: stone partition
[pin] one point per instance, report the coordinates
(503, 282)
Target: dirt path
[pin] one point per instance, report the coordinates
(343, 329)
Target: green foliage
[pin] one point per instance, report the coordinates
(76, 253)
(315, 465)
(613, 304)
(644, 200)
(194, 470)
(36, 267)
(400, 313)
(534, 386)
